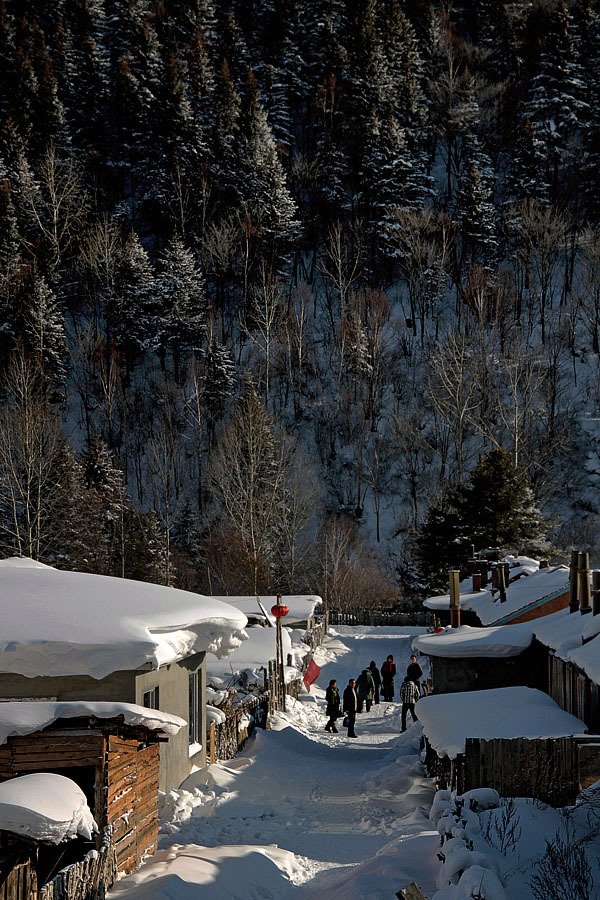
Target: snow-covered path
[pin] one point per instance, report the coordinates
(301, 813)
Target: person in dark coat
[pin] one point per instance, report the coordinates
(388, 673)
(365, 689)
(350, 703)
(409, 694)
(332, 698)
(415, 672)
(376, 679)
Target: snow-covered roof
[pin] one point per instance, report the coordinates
(494, 641)
(71, 623)
(512, 712)
(565, 632)
(301, 606)
(528, 590)
(27, 716)
(45, 807)
(250, 656)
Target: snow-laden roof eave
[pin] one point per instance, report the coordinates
(58, 623)
(20, 717)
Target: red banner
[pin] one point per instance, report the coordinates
(311, 674)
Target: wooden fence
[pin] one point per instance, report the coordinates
(553, 770)
(378, 617)
(85, 880)
(226, 739)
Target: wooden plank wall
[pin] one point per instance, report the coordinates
(546, 768)
(46, 750)
(132, 799)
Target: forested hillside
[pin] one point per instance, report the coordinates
(277, 275)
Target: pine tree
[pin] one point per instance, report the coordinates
(180, 290)
(557, 106)
(43, 326)
(475, 209)
(526, 180)
(264, 189)
(132, 311)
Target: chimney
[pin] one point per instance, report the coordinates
(454, 576)
(596, 592)
(476, 582)
(495, 576)
(585, 605)
(573, 593)
(483, 571)
(543, 563)
(502, 579)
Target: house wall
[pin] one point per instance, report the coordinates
(177, 756)
(482, 673)
(551, 606)
(129, 687)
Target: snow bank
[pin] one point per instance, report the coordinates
(512, 712)
(71, 623)
(241, 871)
(494, 641)
(45, 807)
(25, 717)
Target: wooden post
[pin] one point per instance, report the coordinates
(495, 577)
(595, 592)
(454, 576)
(573, 582)
(476, 582)
(410, 892)
(212, 755)
(585, 605)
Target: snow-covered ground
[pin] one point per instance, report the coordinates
(308, 815)
(302, 813)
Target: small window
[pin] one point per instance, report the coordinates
(151, 699)
(194, 704)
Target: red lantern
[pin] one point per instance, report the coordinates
(438, 630)
(279, 610)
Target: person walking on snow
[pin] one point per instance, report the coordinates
(409, 694)
(376, 679)
(349, 703)
(415, 672)
(388, 673)
(365, 688)
(332, 698)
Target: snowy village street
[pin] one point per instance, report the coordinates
(301, 813)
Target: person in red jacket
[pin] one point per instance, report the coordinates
(388, 673)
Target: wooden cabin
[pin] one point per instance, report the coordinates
(114, 762)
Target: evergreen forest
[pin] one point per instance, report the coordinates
(298, 295)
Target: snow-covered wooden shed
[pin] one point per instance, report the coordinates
(74, 636)
(110, 750)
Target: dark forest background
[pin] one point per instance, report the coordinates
(290, 288)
